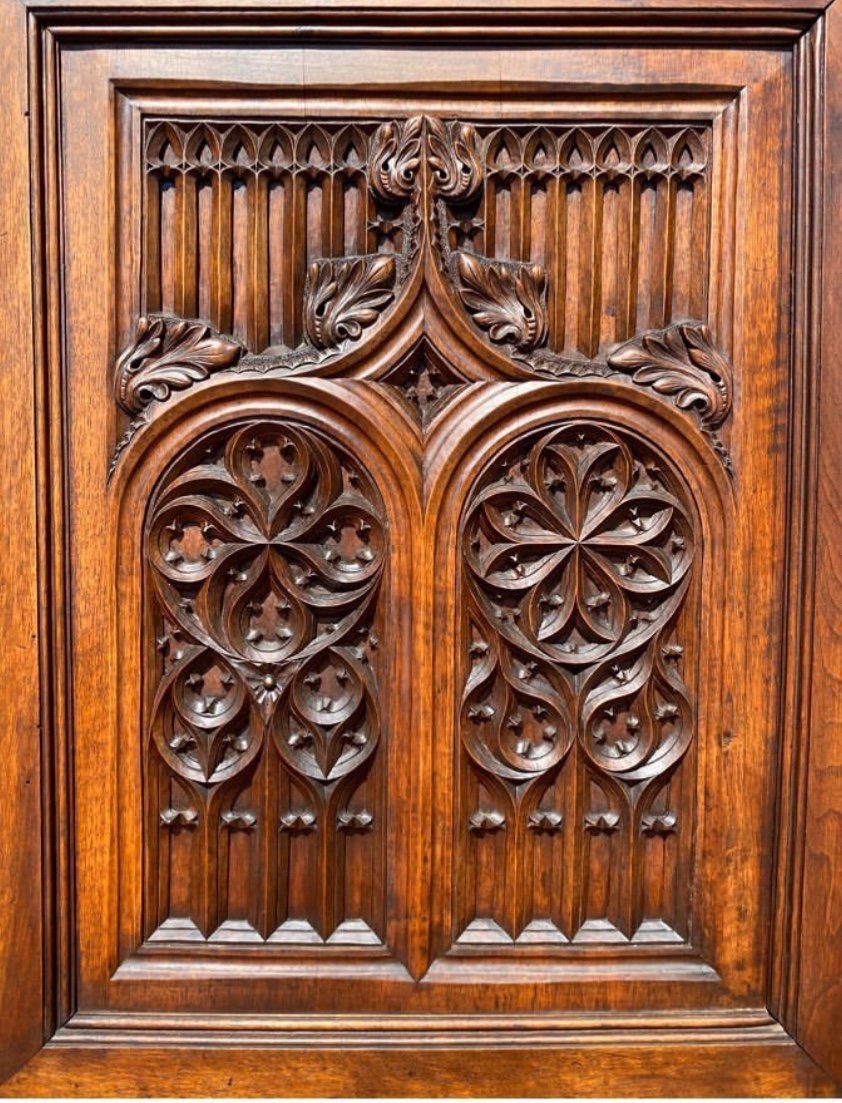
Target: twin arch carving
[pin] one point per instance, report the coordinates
(268, 548)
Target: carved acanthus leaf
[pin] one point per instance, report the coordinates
(344, 297)
(507, 301)
(454, 159)
(683, 362)
(395, 159)
(169, 354)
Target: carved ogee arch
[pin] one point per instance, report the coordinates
(427, 193)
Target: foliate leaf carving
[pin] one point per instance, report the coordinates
(684, 363)
(505, 300)
(169, 354)
(344, 297)
(454, 160)
(452, 154)
(395, 158)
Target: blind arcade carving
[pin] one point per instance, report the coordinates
(562, 246)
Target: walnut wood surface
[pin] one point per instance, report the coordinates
(433, 490)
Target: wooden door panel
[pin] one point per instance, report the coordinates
(426, 429)
(424, 252)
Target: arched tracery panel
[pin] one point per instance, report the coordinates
(266, 550)
(579, 552)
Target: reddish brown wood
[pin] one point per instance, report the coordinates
(24, 883)
(427, 461)
(771, 1067)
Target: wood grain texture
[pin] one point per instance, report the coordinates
(773, 1067)
(428, 490)
(22, 873)
(818, 967)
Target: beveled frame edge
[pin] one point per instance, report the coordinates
(761, 1061)
(811, 35)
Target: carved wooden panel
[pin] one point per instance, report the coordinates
(267, 550)
(425, 474)
(276, 249)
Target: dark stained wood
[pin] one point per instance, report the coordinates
(430, 460)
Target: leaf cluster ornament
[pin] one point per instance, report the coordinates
(454, 159)
(169, 354)
(395, 158)
(507, 301)
(682, 362)
(347, 296)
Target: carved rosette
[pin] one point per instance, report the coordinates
(578, 547)
(266, 549)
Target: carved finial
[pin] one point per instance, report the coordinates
(354, 821)
(344, 297)
(505, 300)
(454, 160)
(662, 824)
(169, 354)
(602, 823)
(394, 159)
(683, 362)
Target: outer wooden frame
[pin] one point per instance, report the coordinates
(795, 1051)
